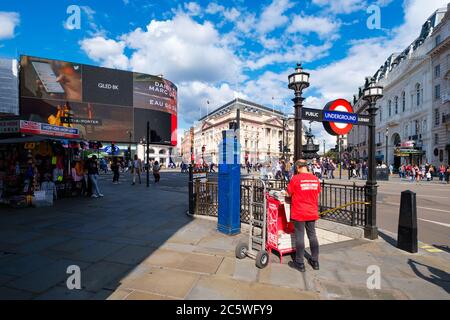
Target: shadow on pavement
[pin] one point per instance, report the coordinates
(387, 238)
(437, 277)
(106, 237)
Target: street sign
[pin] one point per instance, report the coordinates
(318, 115)
(338, 117)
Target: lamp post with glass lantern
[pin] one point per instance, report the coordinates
(298, 81)
(371, 94)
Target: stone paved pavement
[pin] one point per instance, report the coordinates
(137, 243)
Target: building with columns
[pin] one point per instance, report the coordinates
(413, 88)
(261, 130)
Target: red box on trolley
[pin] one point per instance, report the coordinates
(280, 232)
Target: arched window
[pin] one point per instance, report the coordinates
(396, 105)
(390, 108)
(418, 94)
(162, 151)
(151, 151)
(403, 101)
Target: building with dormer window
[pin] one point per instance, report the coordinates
(411, 112)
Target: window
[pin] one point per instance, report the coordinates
(390, 107)
(418, 94)
(437, 91)
(436, 138)
(403, 101)
(381, 112)
(438, 39)
(436, 117)
(437, 71)
(416, 127)
(396, 105)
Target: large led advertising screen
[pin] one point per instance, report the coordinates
(104, 104)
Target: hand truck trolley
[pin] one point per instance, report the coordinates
(255, 248)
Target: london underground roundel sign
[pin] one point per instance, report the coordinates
(337, 110)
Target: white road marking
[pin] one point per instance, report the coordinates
(424, 208)
(417, 195)
(436, 222)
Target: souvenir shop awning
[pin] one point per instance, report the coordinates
(38, 128)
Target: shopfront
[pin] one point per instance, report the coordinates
(409, 153)
(36, 161)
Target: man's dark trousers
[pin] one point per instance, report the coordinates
(300, 227)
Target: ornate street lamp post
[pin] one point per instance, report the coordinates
(298, 81)
(371, 94)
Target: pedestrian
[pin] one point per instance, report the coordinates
(447, 174)
(136, 169)
(115, 170)
(304, 190)
(156, 169)
(442, 171)
(93, 176)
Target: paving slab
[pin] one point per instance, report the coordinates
(14, 294)
(96, 252)
(23, 265)
(216, 288)
(62, 293)
(103, 275)
(46, 277)
(130, 254)
(172, 283)
(278, 275)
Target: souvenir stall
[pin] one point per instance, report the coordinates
(35, 168)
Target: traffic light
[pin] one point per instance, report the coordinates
(280, 145)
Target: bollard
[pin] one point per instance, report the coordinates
(407, 224)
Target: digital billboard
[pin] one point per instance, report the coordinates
(103, 104)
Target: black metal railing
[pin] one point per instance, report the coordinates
(346, 204)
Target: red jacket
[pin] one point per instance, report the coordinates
(304, 189)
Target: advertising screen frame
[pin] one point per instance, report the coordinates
(49, 77)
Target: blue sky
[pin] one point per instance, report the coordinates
(216, 51)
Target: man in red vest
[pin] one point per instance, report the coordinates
(304, 189)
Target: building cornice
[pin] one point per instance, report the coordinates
(444, 45)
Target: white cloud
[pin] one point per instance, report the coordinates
(193, 97)
(182, 50)
(273, 16)
(297, 53)
(341, 6)
(8, 22)
(108, 52)
(214, 8)
(193, 8)
(231, 14)
(324, 27)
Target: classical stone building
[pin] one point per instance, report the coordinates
(261, 131)
(406, 114)
(440, 66)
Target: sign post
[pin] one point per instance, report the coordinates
(229, 217)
